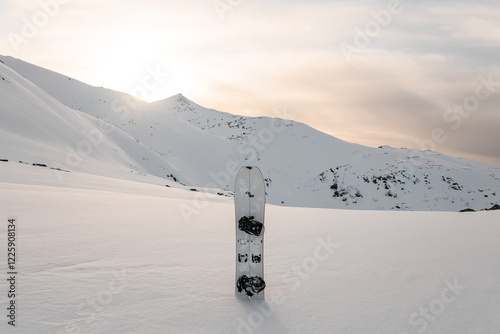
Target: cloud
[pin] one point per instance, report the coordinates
(273, 54)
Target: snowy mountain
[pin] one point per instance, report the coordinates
(58, 121)
(106, 255)
(102, 246)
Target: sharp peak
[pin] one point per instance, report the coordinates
(180, 97)
(177, 98)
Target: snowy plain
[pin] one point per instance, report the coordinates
(124, 257)
(124, 231)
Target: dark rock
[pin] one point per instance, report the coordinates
(467, 210)
(494, 207)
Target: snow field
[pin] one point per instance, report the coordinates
(122, 239)
(115, 256)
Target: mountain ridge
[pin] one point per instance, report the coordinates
(178, 140)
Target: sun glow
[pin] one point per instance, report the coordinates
(132, 64)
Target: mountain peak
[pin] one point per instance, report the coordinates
(180, 98)
(177, 99)
(181, 141)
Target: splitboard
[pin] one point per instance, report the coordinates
(249, 201)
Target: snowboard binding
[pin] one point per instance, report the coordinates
(250, 226)
(251, 285)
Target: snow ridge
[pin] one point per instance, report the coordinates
(59, 121)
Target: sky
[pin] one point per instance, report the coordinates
(405, 73)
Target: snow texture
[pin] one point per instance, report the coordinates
(125, 221)
(123, 259)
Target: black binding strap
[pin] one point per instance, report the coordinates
(250, 226)
(251, 285)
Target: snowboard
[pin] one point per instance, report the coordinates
(249, 201)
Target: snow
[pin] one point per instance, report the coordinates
(125, 224)
(128, 261)
(47, 117)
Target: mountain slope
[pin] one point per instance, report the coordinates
(184, 142)
(37, 128)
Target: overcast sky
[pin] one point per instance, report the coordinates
(415, 74)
